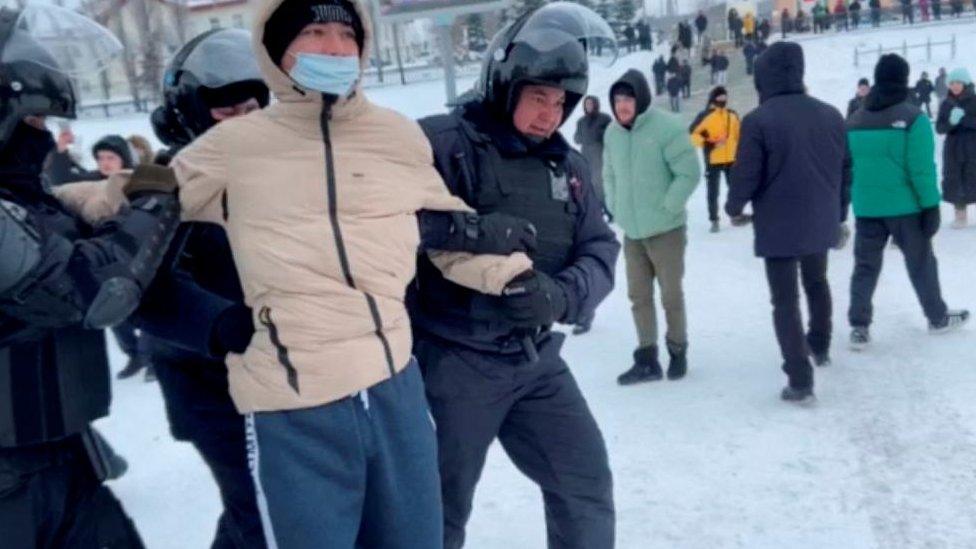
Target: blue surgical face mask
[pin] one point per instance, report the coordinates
(330, 74)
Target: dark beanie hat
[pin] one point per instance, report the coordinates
(294, 15)
(891, 71)
(624, 89)
(115, 144)
(864, 82)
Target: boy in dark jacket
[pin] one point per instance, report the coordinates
(793, 166)
(863, 87)
(686, 79)
(923, 93)
(894, 197)
(660, 69)
(675, 85)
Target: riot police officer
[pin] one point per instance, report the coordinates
(492, 365)
(194, 313)
(62, 282)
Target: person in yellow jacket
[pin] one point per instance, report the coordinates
(716, 131)
(749, 25)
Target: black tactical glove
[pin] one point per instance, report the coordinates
(232, 331)
(533, 300)
(493, 233)
(931, 221)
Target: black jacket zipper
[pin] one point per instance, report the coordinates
(264, 316)
(337, 232)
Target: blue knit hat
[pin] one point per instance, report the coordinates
(960, 75)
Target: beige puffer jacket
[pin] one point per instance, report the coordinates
(320, 211)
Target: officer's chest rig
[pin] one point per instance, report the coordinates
(532, 188)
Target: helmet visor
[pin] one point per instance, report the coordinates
(61, 40)
(223, 58)
(554, 25)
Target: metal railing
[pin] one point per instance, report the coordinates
(904, 48)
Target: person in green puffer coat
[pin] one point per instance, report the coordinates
(895, 195)
(650, 170)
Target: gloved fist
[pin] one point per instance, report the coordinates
(931, 219)
(533, 300)
(494, 233)
(956, 115)
(232, 331)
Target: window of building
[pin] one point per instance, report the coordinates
(239, 21)
(214, 22)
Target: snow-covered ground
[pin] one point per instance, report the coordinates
(884, 460)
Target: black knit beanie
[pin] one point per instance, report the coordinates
(891, 72)
(294, 15)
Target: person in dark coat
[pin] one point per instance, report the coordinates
(720, 67)
(800, 22)
(896, 196)
(793, 165)
(923, 93)
(937, 9)
(502, 152)
(957, 121)
(736, 26)
(907, 12)
(764, 30)
(701, 25)
(863, 88)
(957, 7)
(855, 11)
(675, 84)
(674, 63)
(875, 6)
(685, 73)
(630, 38)
(66, 273)
(644, 36)
(749, 51)
(685, 36)
(785, 23)
(941, 85)
(589, 136)
(660, 69)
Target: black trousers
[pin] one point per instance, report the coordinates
(50, 498)
(201, 412)
(542, 421)
(784, 275)
(713, 180)
(923, 269)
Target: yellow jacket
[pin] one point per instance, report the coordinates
(717, 131)
(749, 24)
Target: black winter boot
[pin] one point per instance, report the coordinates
(679, 360)
(646, 367)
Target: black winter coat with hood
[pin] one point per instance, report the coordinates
(959, 151)
(793, 162)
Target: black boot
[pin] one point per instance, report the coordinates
(679, 360)
(134, 366)
(646, 367)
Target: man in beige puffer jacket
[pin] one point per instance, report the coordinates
(319, 194)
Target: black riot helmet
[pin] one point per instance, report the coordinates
(549, 46)
(41, 48)
(216, 69)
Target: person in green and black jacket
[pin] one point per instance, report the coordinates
(895, 197)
